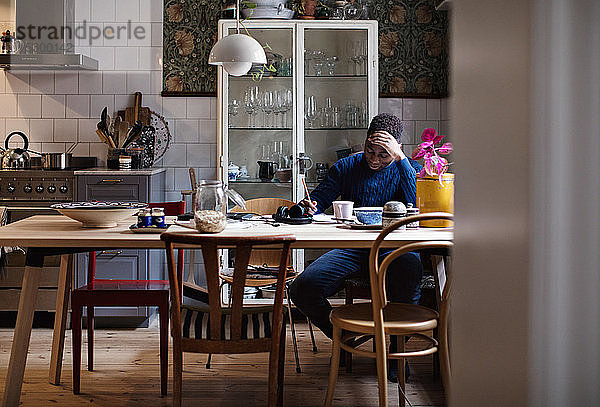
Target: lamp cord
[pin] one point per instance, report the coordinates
(237, 16)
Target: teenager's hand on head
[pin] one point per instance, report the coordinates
(389, 143)
(309, 207)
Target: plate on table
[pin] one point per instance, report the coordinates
(147, 229)
(362, 226)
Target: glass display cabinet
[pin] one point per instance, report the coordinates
(278, 127)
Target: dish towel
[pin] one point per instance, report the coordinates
(4, 250)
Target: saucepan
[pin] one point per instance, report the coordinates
(57, 161)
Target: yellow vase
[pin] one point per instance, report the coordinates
(435, 197)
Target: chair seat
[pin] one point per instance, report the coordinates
(256, 323)
(255, 280)
(398, 318)
(108, 285)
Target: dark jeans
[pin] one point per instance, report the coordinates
(325, 277)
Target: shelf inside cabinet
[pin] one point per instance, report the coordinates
(245, 78)
(351, 77)
(258, 181)
(314, 129)
(260, 128)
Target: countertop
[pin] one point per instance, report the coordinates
(106, 171)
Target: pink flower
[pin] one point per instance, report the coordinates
(428, 134)
(434, 164)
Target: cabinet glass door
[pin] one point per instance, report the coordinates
(259, 120)
(336, 96)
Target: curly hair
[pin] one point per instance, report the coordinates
(386, 122)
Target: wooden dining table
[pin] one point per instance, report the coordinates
(44, 235)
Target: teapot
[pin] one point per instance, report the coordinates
(10, 45)
(15, 157)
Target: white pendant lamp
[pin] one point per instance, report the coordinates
(237, 52)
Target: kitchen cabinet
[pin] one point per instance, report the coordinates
(312, 111)
(126, 186)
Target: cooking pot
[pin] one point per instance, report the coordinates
(56, 161)
(16, 157)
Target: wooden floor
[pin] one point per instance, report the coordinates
(127, 374)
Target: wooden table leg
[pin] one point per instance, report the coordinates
(20, 344)
(60, 318)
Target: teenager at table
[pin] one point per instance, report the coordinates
(380, 174)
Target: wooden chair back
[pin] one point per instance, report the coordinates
(171, 209)
(377, 274)
(243, 246)
(264, 206)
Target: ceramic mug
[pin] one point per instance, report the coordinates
(342, 210)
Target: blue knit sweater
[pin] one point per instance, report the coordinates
(352, 180)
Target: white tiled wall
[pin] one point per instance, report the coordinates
(59, 108)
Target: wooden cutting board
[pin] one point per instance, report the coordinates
(137, 112)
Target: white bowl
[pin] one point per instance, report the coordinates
(267, 3)
(99, 216)
(267, 12)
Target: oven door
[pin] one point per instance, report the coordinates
(11, 276)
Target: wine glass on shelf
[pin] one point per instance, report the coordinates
(250, 108)
(330, 64)
(319, 58)
(289, 105)
(233, 108)
(312, 111)
(362, 56)
(278, 108)
(268, 107)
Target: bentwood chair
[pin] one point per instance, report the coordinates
(269, 258)
(379, 317)
(111, 293)
(228, 330)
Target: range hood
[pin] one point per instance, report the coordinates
(48, 62)
(45, 33)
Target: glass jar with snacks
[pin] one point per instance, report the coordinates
(158, 217)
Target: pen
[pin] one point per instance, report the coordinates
(306, 190)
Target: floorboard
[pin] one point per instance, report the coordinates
(127, 374)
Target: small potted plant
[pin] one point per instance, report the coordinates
(306, 9)
(435, 185)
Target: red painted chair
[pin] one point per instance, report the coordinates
(107, 293)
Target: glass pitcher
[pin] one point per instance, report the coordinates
(210, 206)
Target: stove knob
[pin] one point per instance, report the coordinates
(10, 188)
(51, 189)
(27, 189)
(39, 189)
(63, 189)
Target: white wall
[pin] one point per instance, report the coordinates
(525, 109)
(57, 108)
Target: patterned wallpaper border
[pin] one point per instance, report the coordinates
(413, 48)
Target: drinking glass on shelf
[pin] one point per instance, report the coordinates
(268, 107)
(318, 67)
(289, 104)
(250, 108)
(336, 118)
(330, 64)
(351, 114)
(308, 56)
(234, 107)
(327, 118)
(311, 110)
(252, 103)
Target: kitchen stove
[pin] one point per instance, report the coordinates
(36, 185)
(24, 193)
